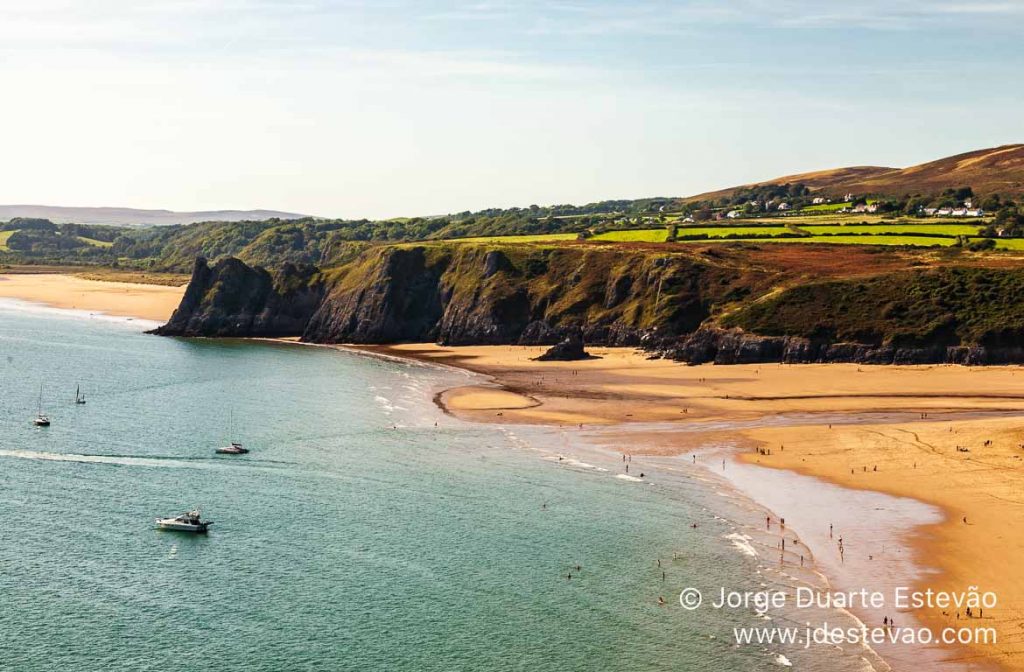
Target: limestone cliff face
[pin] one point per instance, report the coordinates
(687, 307)
(468, 294)
(458, 294)
(232, 299)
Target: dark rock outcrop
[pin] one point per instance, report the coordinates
(733, 346)
(568, 350)
(232, 299)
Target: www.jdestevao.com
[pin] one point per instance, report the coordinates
(966, 608)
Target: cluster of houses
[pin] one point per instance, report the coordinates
(965, 211)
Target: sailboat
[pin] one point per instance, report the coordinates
(233, 447)
(41, 420)
(79, 397)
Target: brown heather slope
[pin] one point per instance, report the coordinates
(996, 170)
(987, 171)
(821, 180)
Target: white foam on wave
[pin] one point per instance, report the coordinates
(627, 477)
(385, 403)
(30, 307)
(782, 661)
(742, 543)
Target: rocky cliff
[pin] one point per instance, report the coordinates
(462, 294)
(232, 299)
(695, 307)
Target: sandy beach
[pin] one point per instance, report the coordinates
(123, 299)
(948, 436)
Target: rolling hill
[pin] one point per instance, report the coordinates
(999, 170)
(133, 216)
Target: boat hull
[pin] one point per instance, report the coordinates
(232, 451)
(175, 526)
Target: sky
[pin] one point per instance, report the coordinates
(360, 108)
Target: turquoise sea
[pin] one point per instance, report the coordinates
(357, 534)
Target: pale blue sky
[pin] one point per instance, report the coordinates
(357, 108)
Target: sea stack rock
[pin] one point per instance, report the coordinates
(568, 350)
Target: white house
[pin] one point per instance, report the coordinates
(960, 212)
(819, 200)
(848, 197)
(975, 212)
(733, 214)
(944, 212)
(784, 206)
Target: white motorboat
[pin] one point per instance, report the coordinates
(191, 521)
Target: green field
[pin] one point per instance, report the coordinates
(826, 207)
(536, 238)
(890, 233)
(1010, 244)
(4, 235)
(718, 233)
(634, 236)
(940, 229)
(94, 242)
(821, 218)
(660, 235)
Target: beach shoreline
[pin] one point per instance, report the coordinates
(794, 407)
(153, 302)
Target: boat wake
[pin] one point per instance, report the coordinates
(140, 461)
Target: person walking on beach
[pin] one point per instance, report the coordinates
(830, 530)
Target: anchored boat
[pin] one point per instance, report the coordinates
(191, 521)
(233, 447)
(40, 419)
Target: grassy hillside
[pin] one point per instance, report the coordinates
(944, 306)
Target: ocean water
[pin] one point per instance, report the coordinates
(357, 534)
